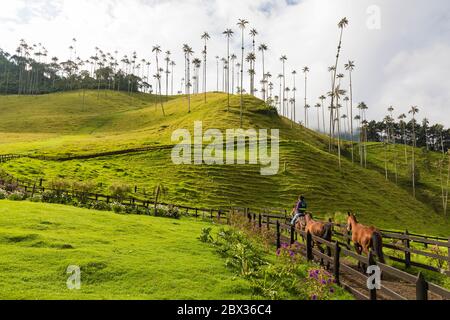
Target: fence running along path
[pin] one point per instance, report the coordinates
(270, 218)
(338, 257)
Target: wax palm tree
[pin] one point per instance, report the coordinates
(172, 64)
(305, 71)
(228, 33)
(413, 111)
(350, 66)
(294, 90)
(318, 106)
(188, 52)
(341, 25)
(337, 94)
(402, 118)
(263, 48)
(217, 64)
(251, 60)
(205, 36)
(233, 58)
(242, 25)
(322, 98)
(167, 59)
(280, 77)
(363, 107)
(253, 34)
(157, 50)
(283, 59)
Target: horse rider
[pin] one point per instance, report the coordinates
(300, 209)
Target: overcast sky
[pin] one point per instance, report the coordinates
(402, 58)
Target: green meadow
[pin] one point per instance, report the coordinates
(61, 125)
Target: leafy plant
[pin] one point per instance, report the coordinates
(206, 236)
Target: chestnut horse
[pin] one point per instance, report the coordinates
(365, 238)
(316, 228)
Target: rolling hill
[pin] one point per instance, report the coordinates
(60, 125)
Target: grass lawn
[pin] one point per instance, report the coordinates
(121, 257)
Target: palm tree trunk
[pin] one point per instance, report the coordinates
(242, 78)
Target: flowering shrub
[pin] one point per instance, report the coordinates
(16, 196)
(321, 283)
(289, 253)
(117, 207)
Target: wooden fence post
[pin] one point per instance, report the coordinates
(292, 234)
(336, 260)
(309, 252)
(268, 222)
(260, 221)
(278, 235)
(34, 190)
(371, 262)
(421, 288)
(407, 252)
(349, 235)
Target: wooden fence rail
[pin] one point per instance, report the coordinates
(335, 255)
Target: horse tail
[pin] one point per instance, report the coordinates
(327, 235)
(377, 244)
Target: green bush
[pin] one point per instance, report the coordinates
(117, 207)
(100, 205)
(3, 194)
(16, 196)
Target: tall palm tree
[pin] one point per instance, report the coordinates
(280, 77)
(232, 59)
(228, 33)
(350, 66)
(188, 52)
(305, 71)
(413, 111)
(402, 118)
(318, 106)
(157, 50)
(253, 34)
(172, 64)
(322, 98)
(263, 48)
(341, 25)
(294, 90)
(283, 59)
(242, 25)
(167, 59)
(205, 36)
(251, 60)
(337, 94)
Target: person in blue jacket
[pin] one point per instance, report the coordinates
(300, 209)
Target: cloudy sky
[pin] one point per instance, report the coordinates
(401, 48)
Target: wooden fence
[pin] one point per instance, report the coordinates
(7, 157)
(338, 256)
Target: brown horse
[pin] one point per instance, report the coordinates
(365, 238)
(316, 228)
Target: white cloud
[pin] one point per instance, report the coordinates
(410, 44)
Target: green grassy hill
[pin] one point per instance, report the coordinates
(121, 257)
(60, 125)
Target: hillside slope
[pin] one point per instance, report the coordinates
(59, 125)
